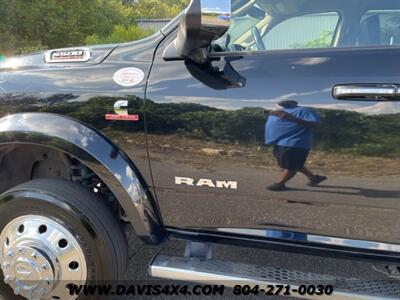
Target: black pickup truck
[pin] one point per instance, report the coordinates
(258, 123)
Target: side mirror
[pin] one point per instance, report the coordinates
(203, 22)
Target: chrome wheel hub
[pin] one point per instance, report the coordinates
(40, 258)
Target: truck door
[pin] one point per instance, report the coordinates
(210, 164)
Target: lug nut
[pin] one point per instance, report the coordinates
(34, 256)
(17, 291)
(21, 251)
(31, 296)
(6, 265)
(44, 267)
(42, 292)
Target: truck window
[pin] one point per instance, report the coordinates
(265, 25)
(308, 31)
(380, 28)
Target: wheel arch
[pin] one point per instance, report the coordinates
(96, 152)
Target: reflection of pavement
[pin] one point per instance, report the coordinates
(347, 205)
(343, 206)
(208, 155)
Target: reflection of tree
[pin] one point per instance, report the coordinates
(340, 131)
(58, 98)
(244, 125)
(90, 112)
(13, 103)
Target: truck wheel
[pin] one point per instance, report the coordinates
(54, 234)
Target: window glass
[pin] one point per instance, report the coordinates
(264, 25)
(309, 31)
(380, 28)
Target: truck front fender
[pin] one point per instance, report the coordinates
(99, 154)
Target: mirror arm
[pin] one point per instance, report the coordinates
(199, 55)
(212, 77)
(171, 53)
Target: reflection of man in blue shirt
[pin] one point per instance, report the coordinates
(290, 131)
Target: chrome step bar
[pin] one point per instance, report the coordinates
(212, 271)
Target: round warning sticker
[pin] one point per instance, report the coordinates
(129, 76)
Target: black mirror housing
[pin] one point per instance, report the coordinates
(203, 22)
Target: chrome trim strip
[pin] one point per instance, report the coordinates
(312, 238)
(368, 91)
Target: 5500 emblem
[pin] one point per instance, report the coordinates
(68, 55)
(219, 184)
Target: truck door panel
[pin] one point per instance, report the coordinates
(211, 167)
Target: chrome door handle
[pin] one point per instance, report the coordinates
(363, 92)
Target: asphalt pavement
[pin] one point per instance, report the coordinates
(141, 255)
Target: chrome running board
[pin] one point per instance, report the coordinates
(212, 271)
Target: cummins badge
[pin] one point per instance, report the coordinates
(121, 112)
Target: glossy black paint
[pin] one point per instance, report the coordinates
(351, 210)
(63, 106)
(85, 92)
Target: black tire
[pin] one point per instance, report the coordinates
(89, 219)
